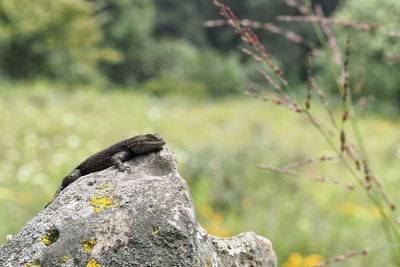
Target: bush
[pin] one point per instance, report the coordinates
(57, 39)
(127, 27)
(373, 71)
(221, 75)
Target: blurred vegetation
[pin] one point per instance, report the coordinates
(130, 42)
(78, 75)
(127, 28)
(219, 75)
(54, 39)
(373, 54)
(50, 129)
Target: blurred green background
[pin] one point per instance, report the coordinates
(78, 75)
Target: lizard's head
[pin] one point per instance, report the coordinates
(148, 143)
(155, 138)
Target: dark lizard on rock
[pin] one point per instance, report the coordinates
(114, 155)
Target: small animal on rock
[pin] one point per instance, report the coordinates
(114, 155)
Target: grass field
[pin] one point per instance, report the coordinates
(46, 130)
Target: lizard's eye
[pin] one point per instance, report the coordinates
(154, 137)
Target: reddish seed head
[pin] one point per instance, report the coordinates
(358, 166)
(345, 116)
(342, 141)
(350, 187)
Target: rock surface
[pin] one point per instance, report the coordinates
(142, 218)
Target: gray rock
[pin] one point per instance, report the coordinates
(141, 218)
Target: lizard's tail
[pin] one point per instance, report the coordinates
(55, 195)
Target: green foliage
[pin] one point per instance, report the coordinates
(58, 39)
(175, 59)
(371, 68)
(179, 60)
(127, 28)
(173, 87)
(223, 75)
(182, 20)
(129, 42)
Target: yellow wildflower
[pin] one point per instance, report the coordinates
(297, 260)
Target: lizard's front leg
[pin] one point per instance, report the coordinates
(118, 158)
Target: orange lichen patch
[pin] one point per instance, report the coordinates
(65, 258)
(156, 230)
(88, 245)
(93, 263)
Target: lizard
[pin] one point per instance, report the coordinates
(114, 155)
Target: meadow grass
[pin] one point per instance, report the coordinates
(46, 130)
(340, 128)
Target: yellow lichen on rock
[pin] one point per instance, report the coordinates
(35, 263)
(46, 239)
(88, 245)
(50, 236)
(156, 230)
(65, 258)
(93, 263)
(100, 202)
(103, 186)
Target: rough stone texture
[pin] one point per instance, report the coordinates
(141, 218)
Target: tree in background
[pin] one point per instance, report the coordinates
(56, 39)
(181, 62)
(165, 46)
(184, 20)
(130, 42)
(127, 26)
